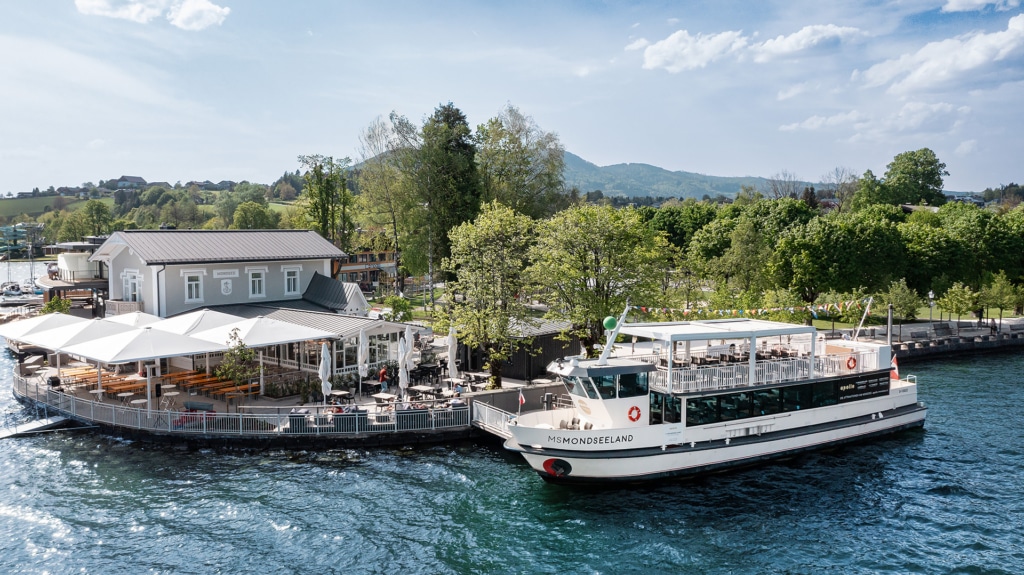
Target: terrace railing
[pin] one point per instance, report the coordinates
(250, 424)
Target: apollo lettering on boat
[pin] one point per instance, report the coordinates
(592, 440)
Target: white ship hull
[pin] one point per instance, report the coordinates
(642, 464)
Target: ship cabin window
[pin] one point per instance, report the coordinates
(824, 393)
(632, 385)
(733, 406)
(665, 409)
(605, 386)
(581, 387)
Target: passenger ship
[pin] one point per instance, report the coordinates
(713, 395)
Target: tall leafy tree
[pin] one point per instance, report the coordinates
(328, 201)
(387, 198)
(680, 222)
(958, 299)
(905, 301)
(916, 177)
(591, 260)
(253, 216)
(999, 293)
(488, 260)
(97, 217)
(521, 165)
(446, 181)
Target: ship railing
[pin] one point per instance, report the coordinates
(695, 379)
(845, 363)
(314, 421)
(492, 419)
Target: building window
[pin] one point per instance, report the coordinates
(291, 280)
(130, 286)
(193, 288)
(193, 285)
(257, 282)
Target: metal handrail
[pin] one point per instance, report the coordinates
(185, 423)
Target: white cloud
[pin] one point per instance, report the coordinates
(637, 44)
(913, 118)
(972, 5)
(681, 51)
(966, 148)
(197, 14)
(141, 11)
(806, 37)
(184, 14)
(944, 61)
(818, 122)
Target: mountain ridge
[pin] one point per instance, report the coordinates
(640, 180)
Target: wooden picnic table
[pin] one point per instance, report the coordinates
(125, 386)
(198, 380)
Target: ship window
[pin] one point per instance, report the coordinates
(766, 402)
(656, 409)
(673, 409)
(581, 387)
(632, 384)
(605, 386)
(824, 393)
(796, 398)
(731, 406)
(701, 410)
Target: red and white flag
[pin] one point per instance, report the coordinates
(894, 369)
(522, 399)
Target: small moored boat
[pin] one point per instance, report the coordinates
(712, 395)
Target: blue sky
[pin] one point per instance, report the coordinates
(236, 89)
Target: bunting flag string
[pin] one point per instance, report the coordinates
(813, 309)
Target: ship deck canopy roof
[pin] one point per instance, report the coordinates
(733, 328)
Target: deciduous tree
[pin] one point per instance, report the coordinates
(521, 165)
(591, 260)
(488, 260)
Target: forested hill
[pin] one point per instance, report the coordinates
(634, 180)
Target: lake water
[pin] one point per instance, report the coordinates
(948, 499)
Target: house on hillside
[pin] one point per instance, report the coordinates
(130, 182)
(168, 272)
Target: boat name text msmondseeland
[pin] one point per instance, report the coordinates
(600, 440)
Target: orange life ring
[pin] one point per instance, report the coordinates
(851, 363)
(634, 413)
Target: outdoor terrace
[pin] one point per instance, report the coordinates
(188, 406)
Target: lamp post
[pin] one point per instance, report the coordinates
(931, 304)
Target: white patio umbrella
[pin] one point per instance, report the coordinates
(198, 320)
(453, 348)
(16, 329)
(363, 353)
(68, 335)
(141, 345)
(403, 368)
(409, 363)
(263, 331)
(325, 370)
(134, 319)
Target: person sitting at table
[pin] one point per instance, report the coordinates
(458, 387)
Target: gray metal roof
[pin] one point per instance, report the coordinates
(541, 326)
(191, 246)
(343, 325)
(326, 292)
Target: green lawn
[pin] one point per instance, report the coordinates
(13, 207)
